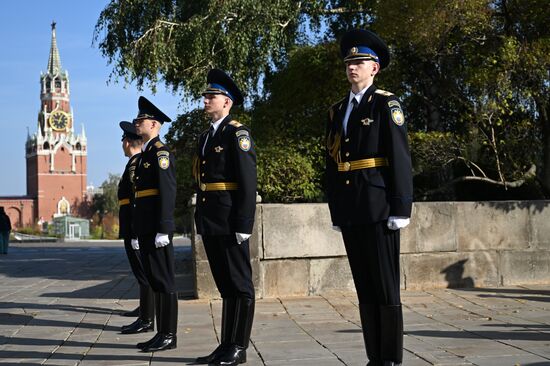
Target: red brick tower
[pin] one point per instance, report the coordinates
(56, 156)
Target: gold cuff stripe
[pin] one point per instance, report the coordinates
(124, 201)
(147, 193)
(362, 164)
(219, 186)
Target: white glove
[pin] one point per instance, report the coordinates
(161, 240)
(336, 228)
(241, 237)
(398, 222)
(135, 244)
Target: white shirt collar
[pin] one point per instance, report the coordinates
(357, 96)
(145, 145)
(216, 124)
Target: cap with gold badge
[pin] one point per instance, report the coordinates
(148, 110)
(362, 44)
(221, 83)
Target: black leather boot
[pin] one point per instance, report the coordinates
(131, 313)
(157, 311)
(147, 312)
(370, 322)
(391, 323)
(167, 338)
(235, 354)
(228, 320)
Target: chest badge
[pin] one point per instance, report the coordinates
(146, 165)
(367, 121)
(218, 149)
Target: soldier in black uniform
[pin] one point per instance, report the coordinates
(153, 222)
(131, 144)
(369, 189)
(225, 170)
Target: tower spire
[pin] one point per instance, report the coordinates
(54, 62)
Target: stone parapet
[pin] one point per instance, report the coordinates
(295, 251)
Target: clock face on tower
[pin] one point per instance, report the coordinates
(59, 121)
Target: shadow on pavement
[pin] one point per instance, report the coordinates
(508, 293)
(82, 263)
(524, 335)
(101, 358)
(11, 319)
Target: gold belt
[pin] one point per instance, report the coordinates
(147, 193)
(124, 201)
(219, 186)
(362, 164)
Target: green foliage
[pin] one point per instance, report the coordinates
(288, 173)
(29, 230)
(179, 41)
(473, 77)
(107, 202)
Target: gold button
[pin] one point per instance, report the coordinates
(347, 181)
(202, 174)
(347, 154)
(347, 139)
(204, 162)
(347, 166)
(203, 199)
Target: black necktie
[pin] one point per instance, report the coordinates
(355, 104)
(208, 137)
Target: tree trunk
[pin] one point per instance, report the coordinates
(545, 124)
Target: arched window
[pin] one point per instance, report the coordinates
(46, 146)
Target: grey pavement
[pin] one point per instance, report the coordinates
(60, 304)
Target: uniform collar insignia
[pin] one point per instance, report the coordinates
(218, 149)
(146, 165)
(367, 121)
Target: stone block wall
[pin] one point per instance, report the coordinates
(295, 251)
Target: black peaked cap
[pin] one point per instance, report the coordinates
(129, 130)
(366, 38)
(221, 83)
(149, 110)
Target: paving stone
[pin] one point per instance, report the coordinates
(70, 315)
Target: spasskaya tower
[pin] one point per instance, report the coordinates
(55, 154)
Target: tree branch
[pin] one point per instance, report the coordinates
(531, 173)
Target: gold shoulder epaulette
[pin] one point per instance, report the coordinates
(332, 108)
(383, 92)
(336, 104)
(159, 144)
(235, 123)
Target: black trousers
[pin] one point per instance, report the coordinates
(230, 265)
(134, 258)
(373, 255)
(158, 264)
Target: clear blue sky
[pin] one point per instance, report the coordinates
(25, 36)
